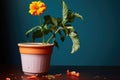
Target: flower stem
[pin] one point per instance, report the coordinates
(43, 38)
(41, 20)
(42, 31)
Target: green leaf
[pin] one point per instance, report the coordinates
(62, 37)
(64, 12)
(36, 34)
(71, 16)
(66, 29)
(54, 21)
(56, 44)
(75, 40)
(44, 30)
(78, 15)
(38, 31)
(59, 21)
(47, 19)
(32, 29)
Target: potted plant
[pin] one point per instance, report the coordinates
(35, 56)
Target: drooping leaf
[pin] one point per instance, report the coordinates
(32, 29)
(71, 16)
(78, 15)
(38, 31)
(75, 40)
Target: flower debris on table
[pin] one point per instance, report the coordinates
(72, 75)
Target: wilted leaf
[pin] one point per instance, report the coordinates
(75, 39)
(76, 42)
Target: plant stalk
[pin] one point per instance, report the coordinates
(42, 28)
(53, 35)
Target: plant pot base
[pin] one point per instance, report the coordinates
(35, 64)
(35, 74)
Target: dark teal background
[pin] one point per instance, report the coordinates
(99, 32)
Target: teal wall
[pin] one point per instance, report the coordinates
(99, 33)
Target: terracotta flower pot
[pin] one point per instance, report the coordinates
(35, 57)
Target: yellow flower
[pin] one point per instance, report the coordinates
(37, 8)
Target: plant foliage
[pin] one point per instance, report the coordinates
(61, 26)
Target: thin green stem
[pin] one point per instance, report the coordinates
(42, 31)
(54, 34)
(43, 38)
(49, 39)
(41, 20)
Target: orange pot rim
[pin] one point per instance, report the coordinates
(35, 44)
(35, 48)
